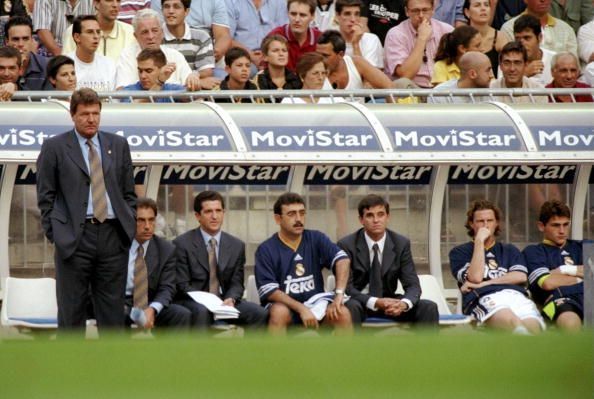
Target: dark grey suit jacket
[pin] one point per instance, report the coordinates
(63, 185)
(160, 265)
(192, 264)
(397, 264)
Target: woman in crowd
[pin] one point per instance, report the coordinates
(276, 76)
(312, 71)
(451, 47)
(61, 73)
(478, 13)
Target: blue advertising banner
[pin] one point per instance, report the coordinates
(455, 138)
(225, 174)
(511, 174)
(310, 138)
(140, 138)
(26, 174)
(367, 175)
(564, 138)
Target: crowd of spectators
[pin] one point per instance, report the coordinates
(365, 44)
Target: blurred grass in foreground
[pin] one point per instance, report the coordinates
(448, 365)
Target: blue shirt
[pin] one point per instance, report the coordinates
(450, 11)
(203, 13)
(297, 273)
(500, 259)
(85, 151)
(249, 26)
(544, 257)
(166, 87)
(206, 237)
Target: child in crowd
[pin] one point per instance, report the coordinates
(237, 66)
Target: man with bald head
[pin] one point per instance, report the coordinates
(475, 73)
(565, 68)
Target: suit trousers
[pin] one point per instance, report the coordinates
(99, 264)
(250, 314)
(424, 313)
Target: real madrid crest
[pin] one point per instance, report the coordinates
(492, 264)
(299, 269)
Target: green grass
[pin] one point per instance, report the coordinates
(449, 365)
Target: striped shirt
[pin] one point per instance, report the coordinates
(52, 15)
(195, 45)
(129, 8)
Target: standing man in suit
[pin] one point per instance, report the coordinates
(208, 259)
(150, 285)
(85, 192)
(379, 258)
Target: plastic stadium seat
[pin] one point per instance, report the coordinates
(431, 290)
(30, 303)
(251, 291)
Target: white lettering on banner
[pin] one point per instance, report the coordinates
(312, 138)
(518, 172)
(27, 171)
(455, 138)
(367, 173)
(570, 140)
(299, 285)
(22, 137)
(235, 172)
(172, 138)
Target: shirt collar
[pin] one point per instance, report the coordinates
(551, 21)
(136, 244)
(83, 141)
(380, 243)
(206, 237)
(169, 36)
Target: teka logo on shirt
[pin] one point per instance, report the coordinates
(501, 138)
(566, 138)
(320, 138)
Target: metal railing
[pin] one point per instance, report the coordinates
(371, 95)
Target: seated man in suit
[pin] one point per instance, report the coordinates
(379, 258)
(289, 271)
(150, 285)
(208, 259)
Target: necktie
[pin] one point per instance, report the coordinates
(375, 282)
(140, 280)
(213, 286)
(97, 184)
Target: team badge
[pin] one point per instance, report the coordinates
(299, 269)
(568, 260)
(492, 264)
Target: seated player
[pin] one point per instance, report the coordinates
(491, 275)
(289, 270)
(556, 268)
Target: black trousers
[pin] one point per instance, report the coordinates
(424, 312)
(250, 314)
(97, 272)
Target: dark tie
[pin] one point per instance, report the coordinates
(97, 184)
(213, 286)
(140, 280)
(375, 281)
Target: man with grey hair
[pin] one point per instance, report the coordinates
(475, 73)
(149, 34)
(565, 68)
